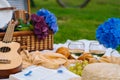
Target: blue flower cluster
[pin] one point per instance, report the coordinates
(50, 19)
(108, 33)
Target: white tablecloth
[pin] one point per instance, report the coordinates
(86, 42)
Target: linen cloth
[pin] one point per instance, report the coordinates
(86, 42)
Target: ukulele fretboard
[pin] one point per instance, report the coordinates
(9, 33)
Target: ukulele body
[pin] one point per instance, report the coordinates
(10, 60)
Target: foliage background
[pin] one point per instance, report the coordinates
(77, 23)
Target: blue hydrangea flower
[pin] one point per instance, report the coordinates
(50, 19)
(43, 12)
(108, 33)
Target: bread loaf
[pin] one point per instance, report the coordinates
(101, 71)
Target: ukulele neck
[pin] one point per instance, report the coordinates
(9, 32)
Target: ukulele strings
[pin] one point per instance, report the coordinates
(8, 37)
(11, 33)
(7, 34)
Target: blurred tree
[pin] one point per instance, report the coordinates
(32, 3)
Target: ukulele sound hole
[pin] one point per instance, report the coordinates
(4, 49)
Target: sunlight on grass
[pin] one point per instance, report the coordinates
(76, 23)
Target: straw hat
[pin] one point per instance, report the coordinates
(101, 71)
(5, 15)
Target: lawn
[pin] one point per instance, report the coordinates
(76, 23)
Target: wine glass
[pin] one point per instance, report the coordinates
(96, 49)
(113, 54)
(76, 49)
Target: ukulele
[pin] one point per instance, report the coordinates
(10, 60)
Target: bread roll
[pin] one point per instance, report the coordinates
(85, 56)
(64, 51)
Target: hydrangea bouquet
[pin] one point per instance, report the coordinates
(108, 33)
(44, 20)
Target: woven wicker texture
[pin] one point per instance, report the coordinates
(30, 42)
(101, 71)
(27, 39)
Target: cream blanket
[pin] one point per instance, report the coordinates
(48, 59)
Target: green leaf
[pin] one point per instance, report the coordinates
(118, 49)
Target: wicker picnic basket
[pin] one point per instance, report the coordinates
(27, 39)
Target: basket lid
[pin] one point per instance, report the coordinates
(5, 15)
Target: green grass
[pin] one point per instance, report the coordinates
(76, 23)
